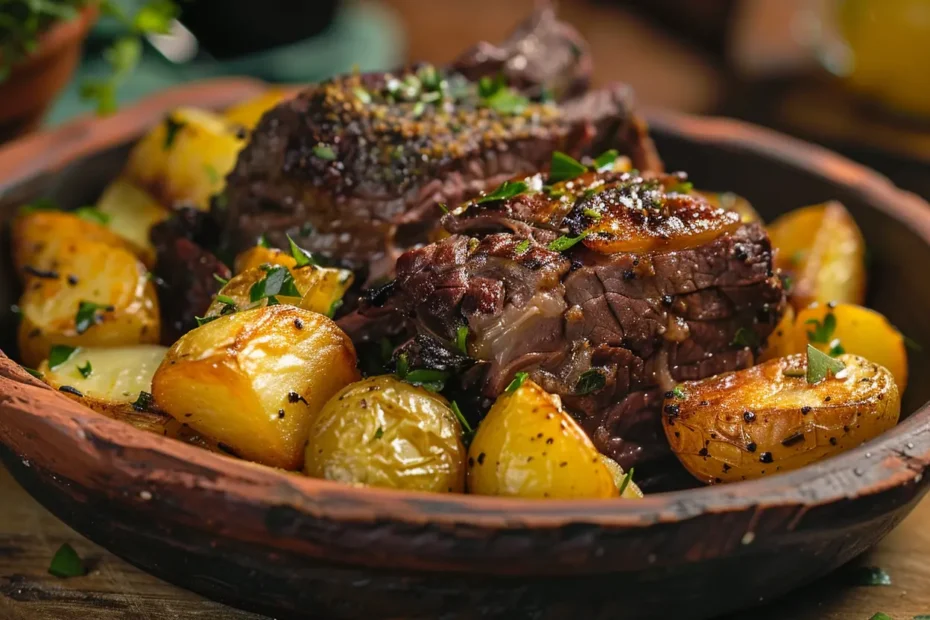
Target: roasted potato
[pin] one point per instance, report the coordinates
(822, 250)
(132, 213)
(760, 421)
(39, 237)
(781, 340)
(853, 329)
(248, 113)
(629, 489)
(528, 447)
(384, 432)
(253, 380)
(260, 255)
(320, 288)
(185, 159)
(98, 295)
(733, 202)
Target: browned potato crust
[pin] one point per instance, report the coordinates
(760, 421)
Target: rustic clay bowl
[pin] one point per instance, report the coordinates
(295, 547)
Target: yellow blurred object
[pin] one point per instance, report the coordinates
(248, 113)
(887, 51)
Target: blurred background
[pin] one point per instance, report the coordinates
(851, 74)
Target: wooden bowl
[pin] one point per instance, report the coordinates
(293, 546)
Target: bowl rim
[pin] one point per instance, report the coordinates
(900, 456)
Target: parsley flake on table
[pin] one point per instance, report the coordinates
(67, 563)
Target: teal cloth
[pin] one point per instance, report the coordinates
(363, 35)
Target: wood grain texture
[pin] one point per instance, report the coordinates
(285, 544)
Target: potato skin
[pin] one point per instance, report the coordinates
(132, 214)
(823, 251)
(860, 331)
(93, 272)
(321, 287)
(39, 237)
(253, 380)
(755, 422)
(190, 164)
(384, 432)
(528, 447)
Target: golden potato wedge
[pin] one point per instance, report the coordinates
(253, 380)
(185, 158)
(732, 202)
(625, 484)
(761, 421)
(853, 329)
(781, 340)
(384, 432)
(248, 113)
(528, 447)
(822, 250)
(98, 295)
(132, 213)
(260, 255)
(38, 238)
(321, 289)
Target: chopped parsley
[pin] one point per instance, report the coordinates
(823, 331)
(203, 320)
(745, 338)
(277, 281)
(300, 255)
(324, 152)
(518, 380)
(172, 127)
(606, 160)
(67, 563)
(507, 101)
(508, 189)
(87, 315)
(627, 478)
(59, 354)
(262, 241)
(565, 242)
(565, 168)
(820, 365)
(226, 300)
(594, 214)
(32, 371)
(223, 281)
(590, 381)
(461, 418)
(402, 366)
(683, 187)
(836, 348)
(334, 307)
(379, 433)
(461, 339)
(522, 247)
(93, 214)
(86, 369)
(144, 402)
(432, 380)
(677, 392)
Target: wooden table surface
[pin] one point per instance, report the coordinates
(114, 590)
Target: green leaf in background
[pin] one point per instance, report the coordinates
(67, 563)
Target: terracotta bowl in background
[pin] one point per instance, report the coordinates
(35, 81)
(292, 546)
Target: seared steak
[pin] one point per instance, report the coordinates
(355, 169)
(607, 289)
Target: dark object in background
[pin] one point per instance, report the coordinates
(231, 28)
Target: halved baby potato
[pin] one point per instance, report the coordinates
(763, 420)
(253, 380)
(781, 340)
(320, 288)
(528, 447)
(249, 112)
(132, 213)
(98, 295)
(186, 157)
(853, 329)
(38, 238)
(384, 432)
(822, 250)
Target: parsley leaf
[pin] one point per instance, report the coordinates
(35, 373)
(87, 315)
(508, 189)
(277, 281)
(67, 563)
(745, 338)
(677, 392)
(86, 369)
(172, 128)
(262, 241)
(93, 214)
(334, 307)
(590, 381)
(203, 320)
(59, 354)
(564, 242)
(627, 478)
(606, 160)
(223, 281)
(836, 348)
(300, 255)
(324, 152)
(522, 247)
(507, 101)
(226, 300)
(518, 380)
(684, 187)
(594, 214)
(402, 366)
(822, 332)
(461, 418)
(432, 380)
(144, 402)
(461, 338)
(565, 168)
(379, 433)
(820, 365)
